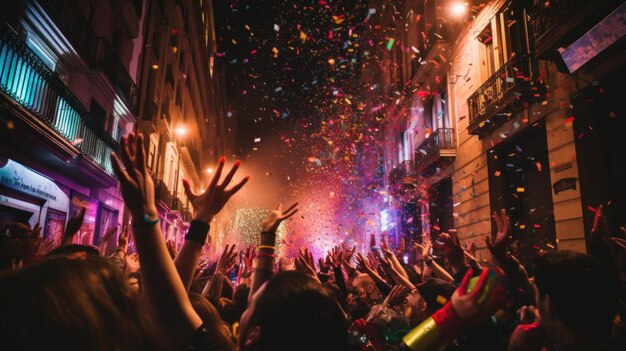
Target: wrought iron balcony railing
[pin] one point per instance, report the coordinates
(29, 82)
(548, 18)
(95, 50)
(172, 202)
(438, 146)
(504, 92)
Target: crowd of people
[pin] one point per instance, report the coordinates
(76, 297)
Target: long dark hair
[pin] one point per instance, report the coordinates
(71, 304)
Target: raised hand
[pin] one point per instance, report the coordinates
(136, 183)
(227, 260)
(275, 217)
(73, 225)
(452, 249)
(210, 202)
(424, 248)
(36, 230)
(347, 255)
(335, 256)
(105, 239)
(487, 296)
(396, 296)
(363, 265)
(122, 240)
(248, 257)
(305, 263)
(499, 246)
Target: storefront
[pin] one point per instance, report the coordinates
(29, 197)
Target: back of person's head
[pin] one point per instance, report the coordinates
(297, 313)
(74, 251)
(211, 321)
(365, 282)
(583, 291)
(70, 304)
(436, 292)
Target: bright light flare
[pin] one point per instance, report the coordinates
(458, 9)
(180, 131)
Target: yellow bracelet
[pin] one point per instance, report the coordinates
(269, 247)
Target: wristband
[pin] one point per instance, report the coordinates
(262, 254)
(147, 222)
(198, 231)
(269, 247)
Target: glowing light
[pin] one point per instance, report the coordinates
(155, 66)
(180, 131)
(458, 9)
(209, 170)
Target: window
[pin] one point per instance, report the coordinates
(42, 51)
(501, 40)
(152, 151)
(98, 114)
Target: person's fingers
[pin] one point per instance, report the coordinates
(188, 192)
(465, 282)
(218, 173)
(232, 191)
(288, 215)
(495, 217)
(118, 168)
(230, 175)
(140, 155)
(619, 242)
(290, 208)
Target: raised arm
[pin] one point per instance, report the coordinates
(265, 256)
(206, 205)
(163, 288)
(73, 226)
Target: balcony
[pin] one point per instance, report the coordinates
(169, 201)
(438, 150)
(400, 172)
(96, 51)
(505, 93)
(557, 23)
(25, 79)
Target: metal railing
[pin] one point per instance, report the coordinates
(95, 50)
(442, 138)
(29, 82)
(548, 15)
(163, 194)
(489, 98)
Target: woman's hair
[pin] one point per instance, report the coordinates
(212, 321)
(71, 304)
(297, 313)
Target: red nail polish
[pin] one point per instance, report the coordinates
(237, 163)
(222, 159)
(247, 177)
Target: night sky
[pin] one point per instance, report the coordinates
(293, 76)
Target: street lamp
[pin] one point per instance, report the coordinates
(458, 8)
(180, 131)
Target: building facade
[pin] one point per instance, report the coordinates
(505, 104)
(181, 111)
(67, 93)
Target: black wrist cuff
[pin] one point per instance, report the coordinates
(198, 231)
